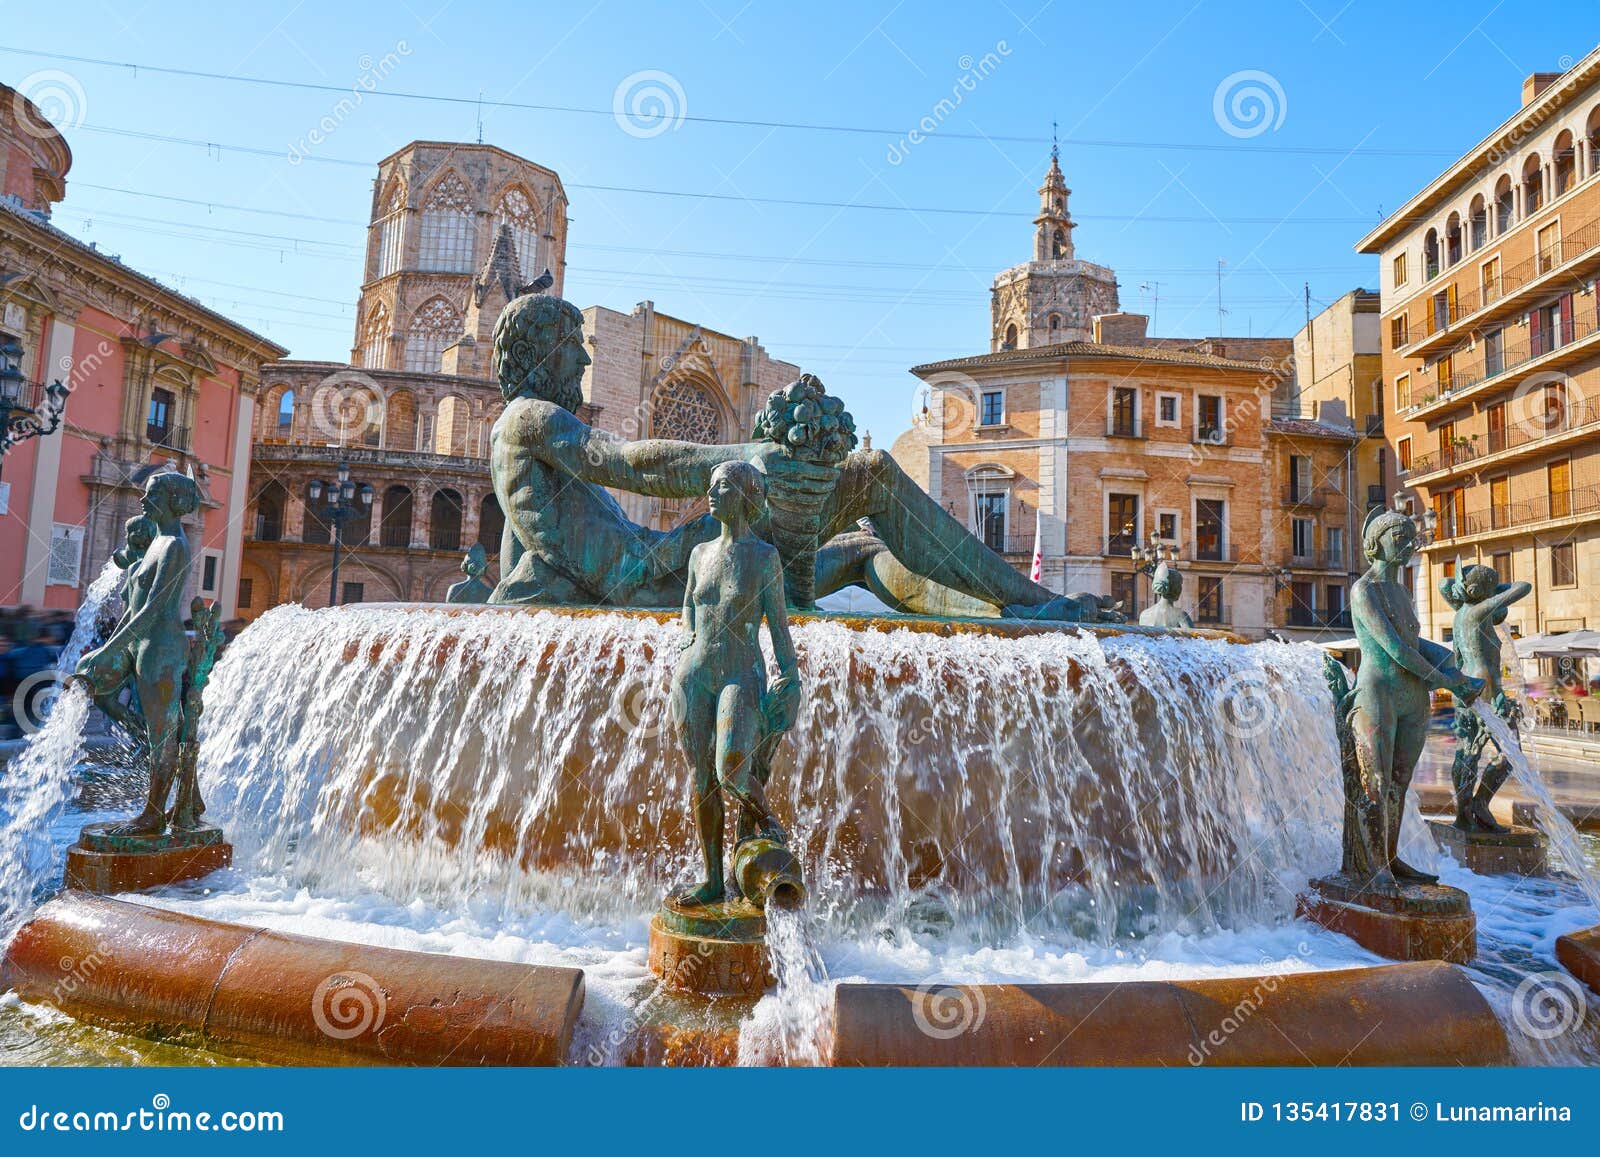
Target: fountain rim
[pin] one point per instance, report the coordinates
(946, 627)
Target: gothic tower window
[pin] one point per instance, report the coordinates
(447, 226)
(391, 232)
(1058, 244)
(434, 327)
(685, 411)
(516, 211)
(375, 339)
(1011, 337)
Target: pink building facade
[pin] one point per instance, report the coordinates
(158, 381)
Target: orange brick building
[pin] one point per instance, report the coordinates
(1491, 355)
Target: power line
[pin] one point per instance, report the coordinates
(740, 122)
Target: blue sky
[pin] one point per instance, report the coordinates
(1366, 101)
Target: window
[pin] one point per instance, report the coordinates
(1430, 255)
(375, 339)
(1299, 477)
(1402, 454)
(394, 529)
(1208, 418)
(1208, 529)
(1124, 591)
(1303, 532)
(989, 510)
(1335, 535)
(247, 588)
(993, 408)
(1124, 412)
(1167, 526)
(1402, 392)
(1532, 186)
(1399, 270)
(1504, 205)
(1167, 410)
(1548, 246)
(391, 233)
(1302, 604)
(445, 242)
(353, 592)
(1494, 352)
(1563, 565)
(1489, 280)
(1398, 331)
(434, 328)
(1478, 223)
(1010, 342)
(1558, 476)
(210, 565)
(515, 212)
(158, 419)
(1122, 522)
(444, 521)
(1208, 600)
(1502, 565)
(1445, 371)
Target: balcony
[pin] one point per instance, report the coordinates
(1210, 436)
(1310, 496)
(1315, 617)
(1316, 560)
(168, 437)
(1515, 285)
(1502, 365)
(1213, 553)
(1508, 443)
(1517, 516)
(1007, 544)
(1120, 545)
(367, 456)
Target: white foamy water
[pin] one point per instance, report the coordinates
(1111, 788)
(33, 788)
(793, 1025)
(107, 586)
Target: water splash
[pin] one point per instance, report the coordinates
(507, 758)
(33, 789)
(1557, 828)
(106, 588)
(804, 998)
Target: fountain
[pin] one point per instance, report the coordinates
(1028, 834)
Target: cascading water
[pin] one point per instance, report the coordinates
(105, 590)
(803, 1001)
(1557, 828)
(1108, 787)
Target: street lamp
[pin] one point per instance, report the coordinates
(23, 414)
(342, 506)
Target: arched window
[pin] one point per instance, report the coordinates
(1504, 205)
(491, 523)
(1011, 338)
(400, 421)
(444, 521)
(391, 232)
(285, 413)
(1055, 326)
(445, 241)
(1532, 186)
(1477, 223)
(434, 328)
(452, 426)
(1591, 132)
(1430, 254)
(516, 210)
(270, 505)
(395, 529)
(1058, 243)
(375, 338)
(357, 529)
(1452, 239)
(1563, 162)
(685, 411)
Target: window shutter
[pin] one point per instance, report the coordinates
(1566, 319)
(1535, 335)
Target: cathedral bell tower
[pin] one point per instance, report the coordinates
(1054, 297)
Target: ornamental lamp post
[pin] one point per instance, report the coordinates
(23, 413)
(343, 497)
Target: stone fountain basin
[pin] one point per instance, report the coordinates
(251, 992)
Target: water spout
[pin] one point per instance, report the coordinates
(768, 875)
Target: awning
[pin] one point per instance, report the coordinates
(1577, 644)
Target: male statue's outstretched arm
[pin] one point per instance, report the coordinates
(657, 467)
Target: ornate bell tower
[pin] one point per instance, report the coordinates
(1053, 298)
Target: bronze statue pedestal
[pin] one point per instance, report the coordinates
(1522, 851)
(1410, 922)
(712, 950)
(1579, 954)
(106, 864)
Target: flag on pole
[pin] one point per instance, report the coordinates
(1038, 555)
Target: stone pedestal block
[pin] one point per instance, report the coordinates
(106, 863)
(1412, 922)
(714, 950)
(1520, 852)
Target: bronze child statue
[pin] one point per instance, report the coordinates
(474, 588)
(151, 649)
(1388, 711)
(728, 719)
(1481, 602)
